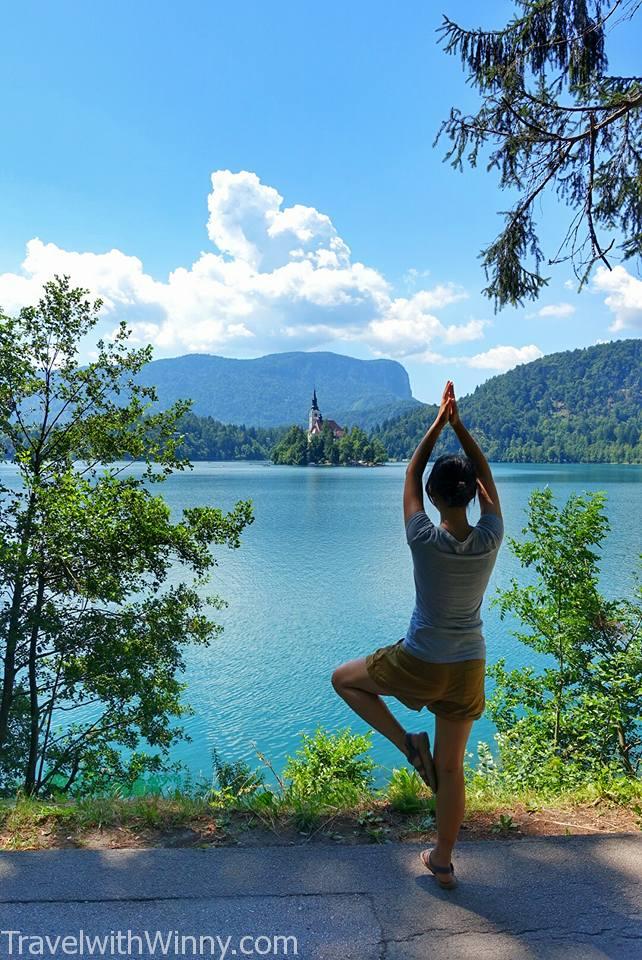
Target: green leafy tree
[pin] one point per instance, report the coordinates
(360, 447)
(317, 447)
(346, 450)
(580, 716)
(379, 454)
(92, 630)
(552, 118)
(330, 449)
(292, 448)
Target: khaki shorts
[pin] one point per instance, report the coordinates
(451, 690)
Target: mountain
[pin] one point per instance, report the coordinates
(276, 389)
(576, 406)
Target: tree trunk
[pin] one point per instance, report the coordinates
(13, 631)
(34, 713)
(624, 750)
(560, 685)
(50, 709)
(558, 707)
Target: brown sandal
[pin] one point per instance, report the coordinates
(436, 870)
(420, 757)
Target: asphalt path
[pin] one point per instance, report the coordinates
(577, 898)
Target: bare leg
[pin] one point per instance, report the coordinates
(353, 683)
(451, 737)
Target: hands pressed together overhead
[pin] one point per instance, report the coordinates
(448, 412)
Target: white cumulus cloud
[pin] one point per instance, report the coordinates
(624, 296)
(500, 358)
(556, 310)
(280, 278)
(504, 357)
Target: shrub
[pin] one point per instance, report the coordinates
(330, 769)
(235, 780)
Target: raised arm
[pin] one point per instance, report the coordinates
(413, 491)
(488, 496)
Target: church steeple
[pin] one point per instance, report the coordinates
(316, 423)
(315, 420)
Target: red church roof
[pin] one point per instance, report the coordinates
(334, 426)
(337, 431)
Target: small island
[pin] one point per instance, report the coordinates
(325, 443)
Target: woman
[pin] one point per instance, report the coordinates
(440, 663)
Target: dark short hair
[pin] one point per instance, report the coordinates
(453, 479)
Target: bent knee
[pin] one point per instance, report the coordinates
(343, 676)
(449, 766)
(352, 675)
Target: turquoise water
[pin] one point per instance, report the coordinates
(323, 575)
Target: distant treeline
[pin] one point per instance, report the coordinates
(209, 439)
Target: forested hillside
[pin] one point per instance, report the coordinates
(577, 406)
(276, 389)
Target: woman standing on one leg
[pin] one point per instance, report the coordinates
(440, 663)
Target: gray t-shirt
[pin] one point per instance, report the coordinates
(450, 579)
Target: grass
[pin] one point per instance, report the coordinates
(26, 823)
(407, 794)
(326, 792)
(404, 809)
(484, 795)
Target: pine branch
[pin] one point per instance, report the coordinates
(586, 151)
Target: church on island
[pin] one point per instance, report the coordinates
(316, 422)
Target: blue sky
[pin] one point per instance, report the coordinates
(332, 223)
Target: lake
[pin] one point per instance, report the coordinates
(323, 575)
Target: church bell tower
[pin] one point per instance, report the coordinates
(315, 420)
